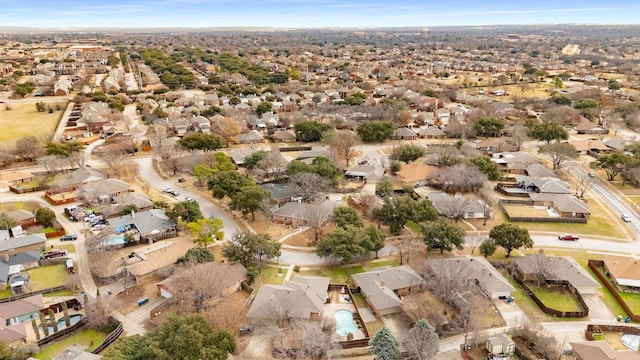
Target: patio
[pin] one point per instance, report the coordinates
(340, 301)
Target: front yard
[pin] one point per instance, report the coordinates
(556, 297)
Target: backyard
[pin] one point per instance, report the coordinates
(556, 297)
(89, 338)
(44, 277)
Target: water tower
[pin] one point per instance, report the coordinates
(425, 32)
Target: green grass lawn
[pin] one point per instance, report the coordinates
(632, 300)
(336, 275)
(374, 326)
(5, 293)
(556, 298)
(527, 305)
(375, 264)
(90, 338)
(582, 258)
(66, 292)
(360, 301)
(269, 275)
(69, 247)
(45, 277)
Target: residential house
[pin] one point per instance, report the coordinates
(384, 287)
(16, 177)
(254, 123)
(230, 276)
(442, 116)
(545, 185)
(201, 124)
(616, 143)
(404, 134)
(494, 145)
(18, 262)
(588, 127)
(316, 151)
(282, 193)
(104, 191)
(556, 269)
(539, 171)
(600, 350)
(62, 87)
(297, 214)
(457, 206)
(417, 174)
(146, 261)
(565, 205)
(500, 344)
(20, 244)
(238, 156)
(284, 136)
(625, 272)
(15, 314)
(361, 172)
(514, 162)
(591, 147)
(431, 132)
(23, 218)
(141, 201)
(477, 271)
(150, 225)
(301, 298)
(81, 176)
(251, 137)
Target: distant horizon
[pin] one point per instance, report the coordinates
(310, 14)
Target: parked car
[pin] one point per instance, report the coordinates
(55, 253)
(93, 218)
(626, 218)
(363, 162)
(568, 237)
(170, 190)
(69, 237)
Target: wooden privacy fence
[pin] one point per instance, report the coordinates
(594, 265)
(554, 312)
(110, 339)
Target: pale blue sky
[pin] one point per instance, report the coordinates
(311, 13)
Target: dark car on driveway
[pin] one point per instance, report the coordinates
(69, 237)
(568, 237)
(55, 253)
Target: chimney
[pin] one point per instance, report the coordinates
(382, 283)
(133, 214)
(6, 258)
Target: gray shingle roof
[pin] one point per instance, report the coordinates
(26, 240)
(297, 298)
(378, 286)
(145, 221)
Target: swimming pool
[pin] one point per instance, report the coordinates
(63, 324)
(114, 240)
(344, 322)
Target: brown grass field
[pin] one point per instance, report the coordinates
(24, 120)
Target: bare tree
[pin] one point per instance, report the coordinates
(462, 178)
(473, 242)
(197, 287)
(487, 197)
(115, 160)
(419, 306)
(6, 156)
(447, 278)
(51, 164)
(317, 215)
(27, 148)
(343, 143)
(454, 206)
(407, 245)
(366, 201)
(584, 182)
(519, 136)
(77, 159)
(540, 268)
(273, 166)
(171, 156)
(308, 185)
(99, 311)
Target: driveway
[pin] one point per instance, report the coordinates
(597, 309)
(399, 325)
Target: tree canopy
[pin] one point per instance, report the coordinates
(612, 164)
(206, 231)
(196, 255)
(510, 237)
(310, 131)
(384, 345)
(228, 183)
(488, 167)
(187, 211)
(488, 126)
(344, 244)
(442, 234)
(200, 141)
(179, 337)
(559, 153)
(345, 216)
(407, 153)
(375, 131)
(548, 132)
(397, 211)
(251, 249)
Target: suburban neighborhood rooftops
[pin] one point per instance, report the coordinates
(379, 285)
(144, 221)
(297, 298)
(21, 241)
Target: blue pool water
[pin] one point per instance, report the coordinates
(344, 322)
(62, 324)
(114, 240)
